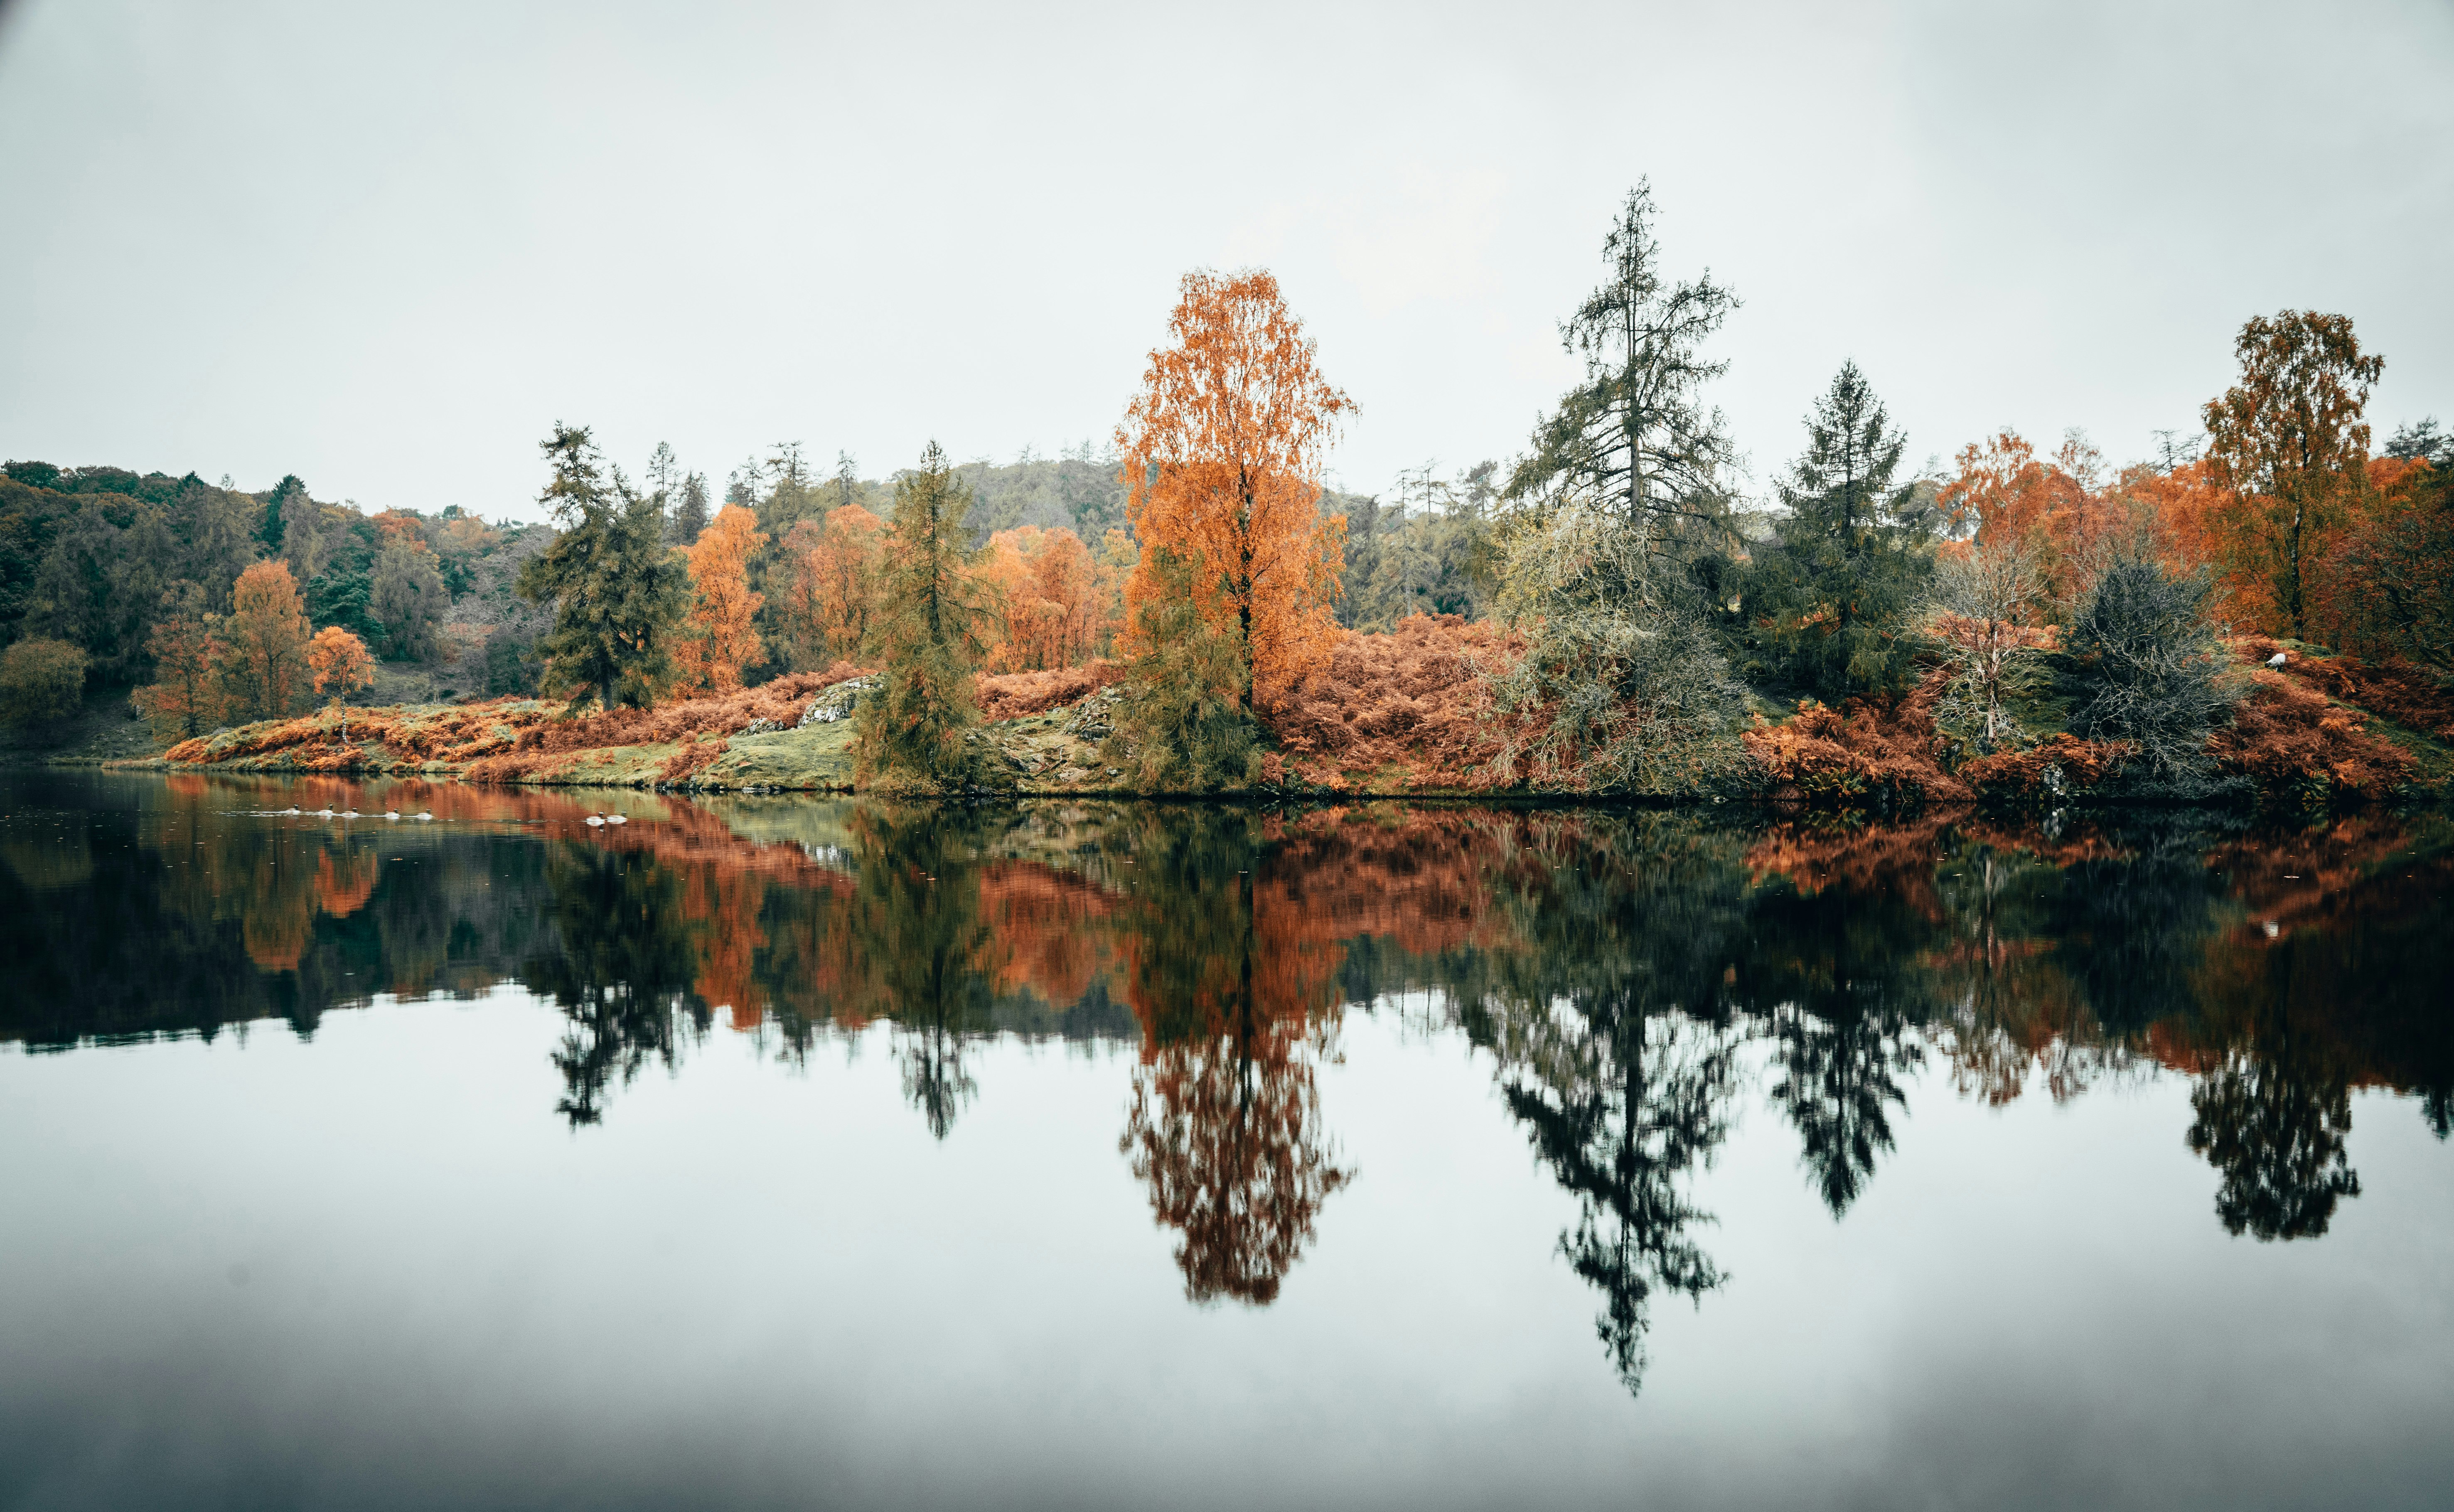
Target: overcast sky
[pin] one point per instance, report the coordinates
(385, 248)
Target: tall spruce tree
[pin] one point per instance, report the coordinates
(910, 732)
(690, 510)
(1634, 441)
(1827, 608)
(618, 593)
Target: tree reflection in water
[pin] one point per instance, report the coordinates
(1622, 971)
(1603, 1009)
(620, 969)
(1235, 995)
(917, 924)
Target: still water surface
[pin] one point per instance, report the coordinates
(791, 1153)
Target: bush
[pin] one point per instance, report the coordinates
(2302, 750)
(2142, 666)
(1871, 751)
(1619, 690)
(40, 680)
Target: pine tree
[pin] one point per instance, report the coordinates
(690, 510)
(1634, 441)
(912, 732)
(1828, 607)
(618, 593)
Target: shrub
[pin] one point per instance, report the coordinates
(2300, 748)
(1408, 708)
(1869, 751)
(40, 680)
(2142, 666)
(1617, 690)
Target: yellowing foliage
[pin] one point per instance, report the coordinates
(721, 638)
(1222, 449)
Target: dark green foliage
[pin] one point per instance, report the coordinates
(1826, 609)
(216, 536)
(345, 596)
(409, 598)
(1181, 725)
(40, 680)
(30, 517)
(792, 495)
(618, 594)
(512, 663)
(1617, 691)
(690, 510)
(1636, 439)
(915, 732)
(2425, 442)
(100, 577)
(288, 496)
(2141, 664)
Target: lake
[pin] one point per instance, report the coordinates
(785, 1152)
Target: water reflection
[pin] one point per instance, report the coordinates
(1632, 980)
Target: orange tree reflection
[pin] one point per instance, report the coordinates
(1235, 996)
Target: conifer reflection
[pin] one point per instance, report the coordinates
(1840, 989)
(1613, 1050)
(620, 967)
(1236, 999)
(917, 927)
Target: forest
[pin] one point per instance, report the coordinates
(2258, 612)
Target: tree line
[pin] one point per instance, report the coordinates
(1660, 604)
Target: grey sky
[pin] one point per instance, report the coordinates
(386, 247)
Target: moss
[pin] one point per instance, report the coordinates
(816, 756)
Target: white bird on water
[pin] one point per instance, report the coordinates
(423, 814)
(392, 813)
(2276, 660)
(323, 814)
(617, 819)
(293, 809)
(596, 820)
(352, 815)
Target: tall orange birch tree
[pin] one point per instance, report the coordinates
(723, 636)
(1222, 452)
(2288, 443)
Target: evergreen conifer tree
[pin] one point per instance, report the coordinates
(690, 510)
(910, 732)
(618, 593)
(1828, 607)
(1634, 441)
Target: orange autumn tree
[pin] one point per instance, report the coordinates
(260, 647)
(722, 637)
(341, 666)
(828, 586)
(2289, 447)
(1222, 452)
(1055, 611)
(2057, 513)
